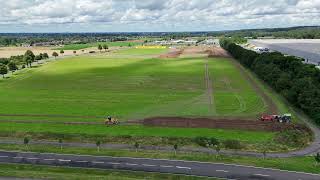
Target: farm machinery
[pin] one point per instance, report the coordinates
(111, 121)
(285, 118)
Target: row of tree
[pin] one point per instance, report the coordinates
(105, 47)
(12, 63)
(298, 82)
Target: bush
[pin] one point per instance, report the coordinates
(206, 142)
(232, 144)
(294, 137)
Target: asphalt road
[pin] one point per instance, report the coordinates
(228, 171)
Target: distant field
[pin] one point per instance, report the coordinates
(110, 44)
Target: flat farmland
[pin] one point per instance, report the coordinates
(86, 88)
(233, 93)
(89, 45)
(130, 88)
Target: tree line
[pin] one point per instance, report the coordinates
(12, 64)
(298, 82)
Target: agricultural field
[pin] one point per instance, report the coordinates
(131, 88)
(89, 45)
(130, 84)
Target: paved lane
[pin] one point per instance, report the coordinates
(220, 170)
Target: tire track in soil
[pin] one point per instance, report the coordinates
(209, 88)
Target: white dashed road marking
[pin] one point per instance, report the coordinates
(129, 164)
(4, 156)
(222, 171)
(164, 166)
(82, 161)
(113, 163)
(32, 158)
(181, 167)
(64, 160)
(18, 157)
(264, 175)
(150, 165)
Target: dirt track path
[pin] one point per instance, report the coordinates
(209, 87)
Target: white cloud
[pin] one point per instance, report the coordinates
(157, 15)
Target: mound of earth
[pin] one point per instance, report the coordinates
(242, 124)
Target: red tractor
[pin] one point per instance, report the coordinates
(285, 118)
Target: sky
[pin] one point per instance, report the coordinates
(154, 15)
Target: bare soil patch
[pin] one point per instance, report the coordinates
(173, 53)
(238, 124)
(217, 52)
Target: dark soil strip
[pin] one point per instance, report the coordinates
(236, 124)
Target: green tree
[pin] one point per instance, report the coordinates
(74, 52)
(26, 141)
(62, 52)
(105, 47)
(61, 143)
(175, 147)
(30, 53)
(100, 47)
(55, 55)
(12, 66)
(217, 147)
(136, 146)
(29, 57)
(3, 70)
(317, 158)
(98, 143)
(45, 56)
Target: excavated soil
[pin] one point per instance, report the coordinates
(238, 124)
(173, 53)
(212, 51)
(217, 52)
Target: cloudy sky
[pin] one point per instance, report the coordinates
(154, 15)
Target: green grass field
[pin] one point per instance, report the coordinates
(88, 45)
(233, 94)
(129, 87)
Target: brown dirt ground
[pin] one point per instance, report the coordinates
(217, 123)
(209, 51)
(173, 53)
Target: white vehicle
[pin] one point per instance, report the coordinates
(261, 49)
